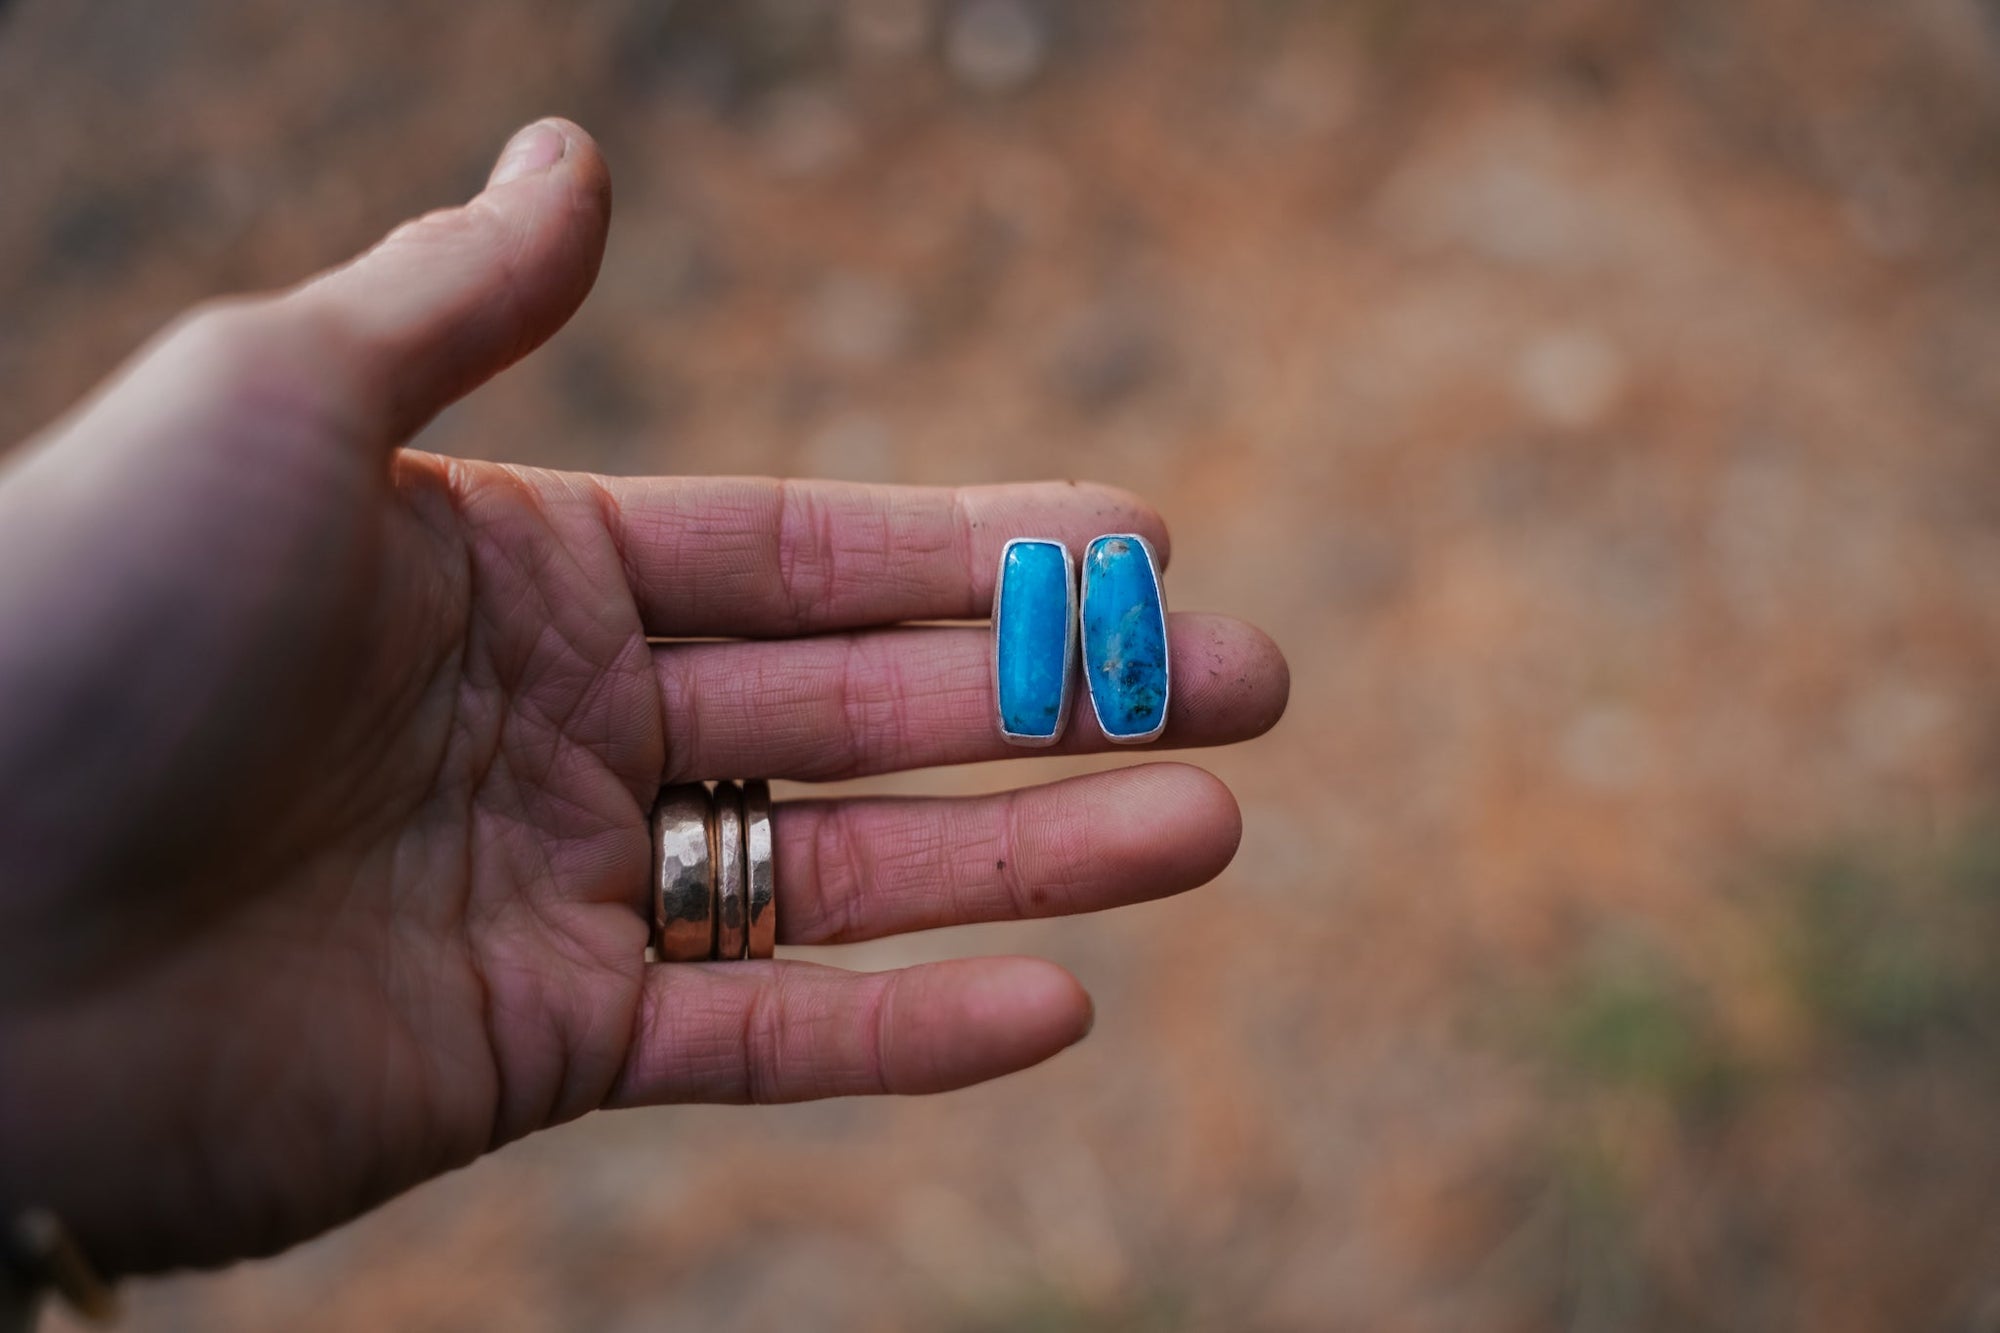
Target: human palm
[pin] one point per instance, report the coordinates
(328, 761)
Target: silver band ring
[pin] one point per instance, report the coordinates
(683, 875)
(732, 909)
(715, 890)
(759, 873)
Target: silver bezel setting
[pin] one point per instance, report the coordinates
(1166, 642)
(1071, 607)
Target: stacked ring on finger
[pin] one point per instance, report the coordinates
(714, 889)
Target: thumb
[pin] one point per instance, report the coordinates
(449, 300)
(365, 354)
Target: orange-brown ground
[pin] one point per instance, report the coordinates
(1598, 402)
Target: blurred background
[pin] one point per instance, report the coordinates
(1598, 402)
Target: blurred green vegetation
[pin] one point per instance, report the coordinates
(1891, 953)
(1873, 975)
(1883, 951)
(1628, 1020)
(1055, 1310)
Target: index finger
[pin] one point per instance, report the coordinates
(758, 557)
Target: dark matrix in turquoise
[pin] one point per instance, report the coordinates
(1124, 637)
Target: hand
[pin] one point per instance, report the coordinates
(323, 852)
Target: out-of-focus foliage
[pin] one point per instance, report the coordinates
(1876, 1024)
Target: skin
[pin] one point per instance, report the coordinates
(323, 860)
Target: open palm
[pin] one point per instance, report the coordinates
(327, 762)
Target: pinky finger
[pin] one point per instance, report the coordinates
(792, 1031)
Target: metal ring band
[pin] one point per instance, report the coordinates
(732, 916)
(684, 881)
(759, 872)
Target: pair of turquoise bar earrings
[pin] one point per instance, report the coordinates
(1124, 639)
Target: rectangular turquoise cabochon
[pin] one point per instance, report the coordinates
(1032, 638)
(1124, 638)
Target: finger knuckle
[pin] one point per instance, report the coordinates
(877, 1037)
(1049, 857)
(763, 1045)
(874, 707)
(841, 875)
(266, 362)
(806, 555)
(226, 337)
(441, 228)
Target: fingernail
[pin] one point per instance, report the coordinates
(536, 148)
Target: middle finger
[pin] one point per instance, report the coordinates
(848, 705)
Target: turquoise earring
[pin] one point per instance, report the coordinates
(1034, 640)
(1125, 638)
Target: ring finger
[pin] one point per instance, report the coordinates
(859, 869)
(856, 869)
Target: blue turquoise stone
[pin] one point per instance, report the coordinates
(1032, 639)
(1124, 637)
